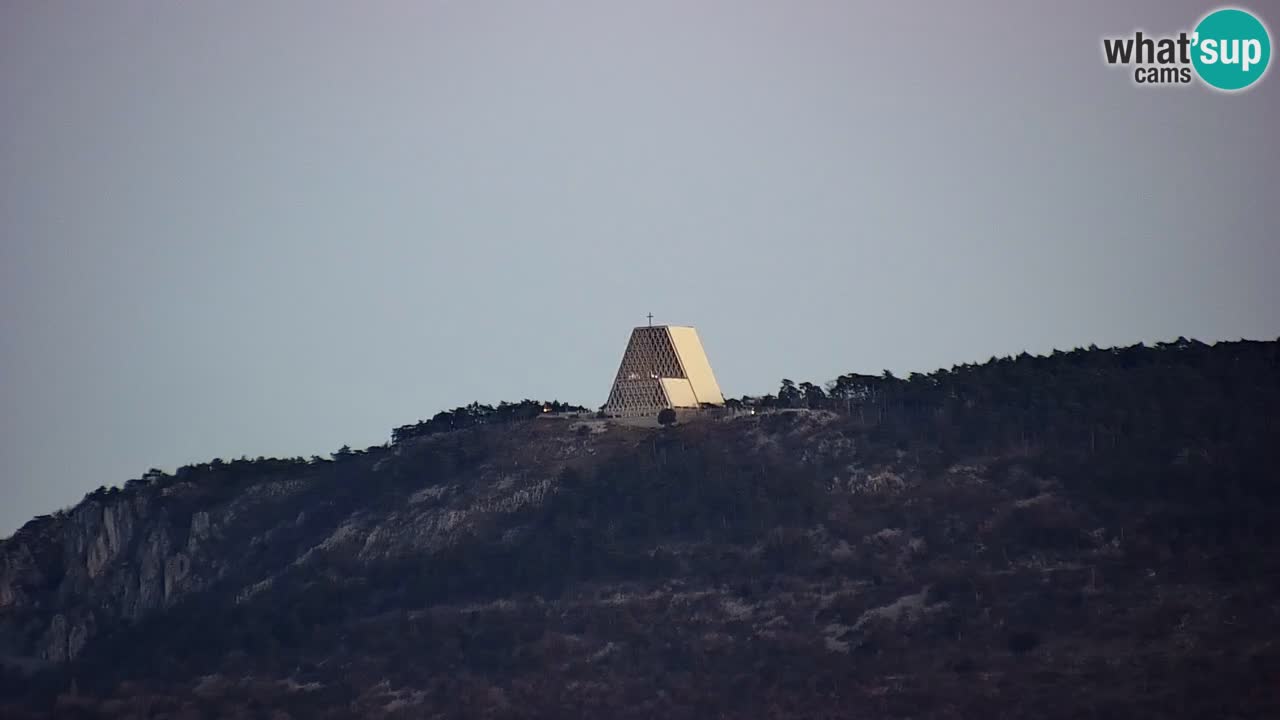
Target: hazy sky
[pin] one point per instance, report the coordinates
(245, 228)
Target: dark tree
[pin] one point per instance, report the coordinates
(789, 395)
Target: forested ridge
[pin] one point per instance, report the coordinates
(1093, 533)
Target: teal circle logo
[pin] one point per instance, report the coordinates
(1232, 49)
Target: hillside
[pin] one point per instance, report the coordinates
(1094, 533)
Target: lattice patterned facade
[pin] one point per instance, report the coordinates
(663, 367)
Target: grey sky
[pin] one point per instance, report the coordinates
(252, 228)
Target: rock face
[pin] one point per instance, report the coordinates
(113, 557)
(122, 555)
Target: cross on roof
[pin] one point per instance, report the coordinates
(650, 316)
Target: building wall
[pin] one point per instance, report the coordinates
(695, 364)
(679, 393)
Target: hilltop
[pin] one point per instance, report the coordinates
(1093, 533)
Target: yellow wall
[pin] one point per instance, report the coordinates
(696, 366)
(679, 392)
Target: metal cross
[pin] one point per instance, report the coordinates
(650, 316)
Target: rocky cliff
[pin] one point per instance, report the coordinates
(123, 554)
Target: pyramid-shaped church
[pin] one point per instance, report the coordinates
(664, 367)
